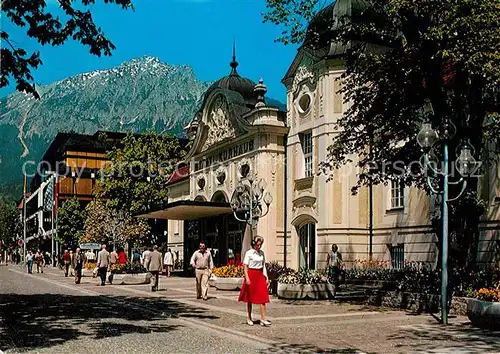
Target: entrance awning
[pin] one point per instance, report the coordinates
(188, 210)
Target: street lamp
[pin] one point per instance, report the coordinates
(427, 138)
(247, 200)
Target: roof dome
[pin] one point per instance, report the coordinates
(234, 82)
(325, 22)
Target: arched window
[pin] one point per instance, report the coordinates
(307, 249)
(219, 197)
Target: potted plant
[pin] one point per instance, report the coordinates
(484, 309)
(130, 274)
(305, 284)
(274, 271)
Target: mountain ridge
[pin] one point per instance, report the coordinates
(141, 94)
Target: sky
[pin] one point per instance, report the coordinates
(198, 33)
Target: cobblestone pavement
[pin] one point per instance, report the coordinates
(48, 313)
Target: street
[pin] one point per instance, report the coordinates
(48, 313)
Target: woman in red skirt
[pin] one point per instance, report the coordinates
(254, 289)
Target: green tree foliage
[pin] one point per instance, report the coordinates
(105, 225)
(48, 28)
(135, 180)
(400, 53)
(70, 222)
(10, 223)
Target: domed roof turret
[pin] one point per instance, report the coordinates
(321, 29)
(234, 82)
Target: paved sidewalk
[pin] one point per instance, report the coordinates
(298, 326)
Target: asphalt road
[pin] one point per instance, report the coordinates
(40, 315)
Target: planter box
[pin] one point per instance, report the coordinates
(228, 283)
(87, 272)
(130, 279)
(484, 314)
(305, 291)
(211, 281)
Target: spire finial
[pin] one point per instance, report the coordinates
(234, 63)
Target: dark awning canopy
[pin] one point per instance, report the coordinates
(188, 210)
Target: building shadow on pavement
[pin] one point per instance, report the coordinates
(456, 338)
(46, 320)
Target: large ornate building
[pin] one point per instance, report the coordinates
(236, 134)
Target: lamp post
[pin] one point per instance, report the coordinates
(428, 138)
(247, 200)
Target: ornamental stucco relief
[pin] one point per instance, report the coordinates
(301, 75)
(219, 124)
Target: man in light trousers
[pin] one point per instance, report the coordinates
(155, 266)
(202, 263)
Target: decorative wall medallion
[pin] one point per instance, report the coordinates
(220, 175)
(219, 123)
(301, 75)
(243, 168)
(200, 182)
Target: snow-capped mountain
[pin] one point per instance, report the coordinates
(138, 95)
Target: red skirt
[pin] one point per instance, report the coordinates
(256, 292)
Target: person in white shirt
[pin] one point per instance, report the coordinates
(146, 257)
(254, 289)
(168, 262)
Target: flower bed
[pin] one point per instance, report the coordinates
(228, 277)
(304, 284)
(274, 271)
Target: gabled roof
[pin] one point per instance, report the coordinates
(180, 174)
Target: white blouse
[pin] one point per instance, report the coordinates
(255, 260)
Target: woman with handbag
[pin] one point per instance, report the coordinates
(254, 289)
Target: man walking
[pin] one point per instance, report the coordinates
(113, 258)
(155, 267)
(102, 264)
(29, 262)
(78, 265)
(334, 262)
(202, 263)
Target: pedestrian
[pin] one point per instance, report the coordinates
(71, 255)
(168, 261)
(90, 256)
(203, 264)
(136, 257)
(29, 262)
(54, 259)
(254, 289)
(39, 261)
(146, 256)
(155, 266)
(113, 259)
(78, 265)
(102, 264)
(334, 262)
(66, 258)
(122, 257)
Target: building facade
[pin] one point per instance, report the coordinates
(234, 128)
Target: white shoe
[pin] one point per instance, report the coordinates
(250, 322)
(265, 323)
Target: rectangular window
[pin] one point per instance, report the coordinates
(397, 256)
(397, 194)
(307, 149)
